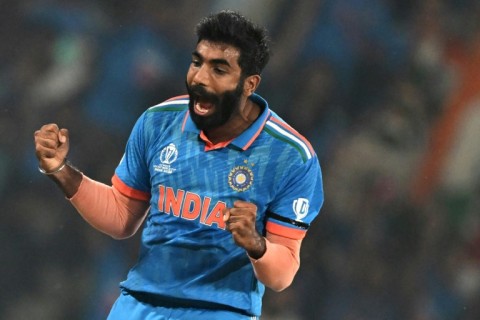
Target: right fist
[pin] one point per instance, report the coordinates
(51, 146)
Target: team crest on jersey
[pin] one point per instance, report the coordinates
(168, 155)
(240, 178)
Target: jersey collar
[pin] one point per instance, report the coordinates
(247, 137)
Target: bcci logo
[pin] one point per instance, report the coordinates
(168, 155)
(240, 178)
(300, 207)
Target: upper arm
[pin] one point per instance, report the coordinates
(297, 202)
(132, 177)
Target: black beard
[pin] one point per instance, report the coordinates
(226, 105)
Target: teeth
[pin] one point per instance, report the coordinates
(200, 109)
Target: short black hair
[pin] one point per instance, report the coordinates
(232, 28)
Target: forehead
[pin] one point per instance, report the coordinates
(218, 50)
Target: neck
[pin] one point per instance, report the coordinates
(239, 122)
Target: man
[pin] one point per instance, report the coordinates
(224, 188)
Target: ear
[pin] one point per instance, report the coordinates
(251, 84)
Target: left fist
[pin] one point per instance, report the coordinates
(240, 221)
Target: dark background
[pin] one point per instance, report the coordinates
(387, 92)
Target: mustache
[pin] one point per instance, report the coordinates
(198, 91)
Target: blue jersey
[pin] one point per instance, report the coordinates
(186, 253)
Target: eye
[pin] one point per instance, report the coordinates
(219, 71)
(196, 63)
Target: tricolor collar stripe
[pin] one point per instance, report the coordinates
(185, 96)
(170, 102)
(290, 136)
(294, 132)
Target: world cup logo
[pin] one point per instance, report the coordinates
(169, 154)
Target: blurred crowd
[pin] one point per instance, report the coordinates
(387, 91)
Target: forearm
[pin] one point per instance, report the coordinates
(107, 210)
(278, 266)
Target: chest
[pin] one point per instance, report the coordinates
(186, 178)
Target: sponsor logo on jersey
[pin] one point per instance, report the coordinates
(300, 208)
(240, 178)
(168, 155)
(191, 206)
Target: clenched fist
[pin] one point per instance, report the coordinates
(51, 146)
(240, 221)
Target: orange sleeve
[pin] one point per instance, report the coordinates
(107, 209)
(286, 232)
(278, 266)
(127, 191)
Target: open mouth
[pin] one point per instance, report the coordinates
(202, 107)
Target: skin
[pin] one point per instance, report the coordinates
(51, 149)
(215, 67)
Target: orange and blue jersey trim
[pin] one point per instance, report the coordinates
(128, 191)
(285, 231)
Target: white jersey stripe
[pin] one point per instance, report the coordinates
(291, 136)
(166, 103)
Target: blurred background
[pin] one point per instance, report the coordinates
(387, 91)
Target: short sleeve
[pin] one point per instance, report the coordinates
(131, 176)
(298, 200)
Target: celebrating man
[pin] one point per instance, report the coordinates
(224, 188)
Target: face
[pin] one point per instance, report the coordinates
(215, 85)
(209, 110)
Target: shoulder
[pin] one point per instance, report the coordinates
(287, 139)
(167, 114)
(178, 103)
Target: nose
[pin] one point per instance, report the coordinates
(200, 76)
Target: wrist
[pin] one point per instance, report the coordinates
(57, 169)
(258, 249)
(68, 179)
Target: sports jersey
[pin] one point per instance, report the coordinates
(187, 256)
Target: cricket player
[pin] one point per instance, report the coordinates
(223, 189)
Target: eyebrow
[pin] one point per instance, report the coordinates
(213, 61)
